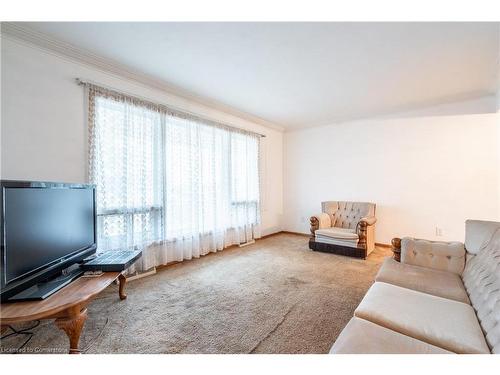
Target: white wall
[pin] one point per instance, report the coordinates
(421, 172)
(44, 131)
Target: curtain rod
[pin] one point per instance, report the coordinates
(81, 82)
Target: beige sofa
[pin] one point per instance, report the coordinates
(443, 297)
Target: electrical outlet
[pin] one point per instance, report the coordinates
(439, 231)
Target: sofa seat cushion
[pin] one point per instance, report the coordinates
(438, 321)
(426, 280)
(363, 337)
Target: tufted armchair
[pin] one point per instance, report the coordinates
(346, 228)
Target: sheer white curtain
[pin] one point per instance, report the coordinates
(212, 188)
(176, 187)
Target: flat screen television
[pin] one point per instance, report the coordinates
(45, 228)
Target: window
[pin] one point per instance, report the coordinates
(127, 170)
(165, 178)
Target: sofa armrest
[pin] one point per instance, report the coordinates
(438, 255)
(320, 221)
(396, 249)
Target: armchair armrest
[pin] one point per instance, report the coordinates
(369, 220)
(438, 255)
(362, 228)
(320, 221)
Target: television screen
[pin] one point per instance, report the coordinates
(44, 226)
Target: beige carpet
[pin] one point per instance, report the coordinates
(275, 296)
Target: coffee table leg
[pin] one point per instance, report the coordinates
(73, 325)
(123, 281)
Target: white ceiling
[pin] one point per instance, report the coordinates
(303, 74)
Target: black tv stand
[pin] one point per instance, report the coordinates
(44, 289)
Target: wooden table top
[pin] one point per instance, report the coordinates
(78, 292)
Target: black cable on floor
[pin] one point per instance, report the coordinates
(27, 331)
(24, 331)
(96, 338)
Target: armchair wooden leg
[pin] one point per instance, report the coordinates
(123, 280)
(362, 233)
(3, 328)
(314, 225)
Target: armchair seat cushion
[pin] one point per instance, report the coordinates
(337, 236)
(338, 233)
(438, 321)
(363, 337)
(426, 280)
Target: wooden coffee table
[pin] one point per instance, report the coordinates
(67, 306)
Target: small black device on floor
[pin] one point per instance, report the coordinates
(112, 261)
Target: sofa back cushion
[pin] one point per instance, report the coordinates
(347, 214)
(438, 255)
(481, 278)
(478, 233)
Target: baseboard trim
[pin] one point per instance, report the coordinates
(141, 275)
(246, 243)
(296, 233)
(283, 232)
(379, 244)
(268, 235)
